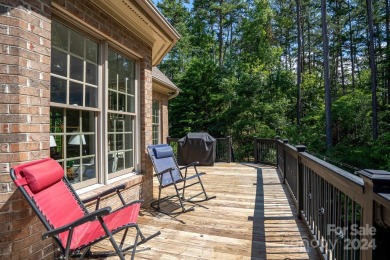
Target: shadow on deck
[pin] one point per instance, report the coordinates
(252, 217)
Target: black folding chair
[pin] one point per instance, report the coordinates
(65, 217)
(169, 174)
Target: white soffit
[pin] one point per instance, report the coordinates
(145, 21)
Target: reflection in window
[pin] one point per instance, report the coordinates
(121, 83)
(73, 142)
(58, 91)
(120, 142)
(73, 84)
(156, 122)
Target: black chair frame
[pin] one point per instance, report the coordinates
(179, 185)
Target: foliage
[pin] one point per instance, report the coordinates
(236, 64)
(200, 105)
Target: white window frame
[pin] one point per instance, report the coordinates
(156, 124)
(101, 125)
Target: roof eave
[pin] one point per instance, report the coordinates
(145, 21)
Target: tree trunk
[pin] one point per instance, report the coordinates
(340, 52)
(351, 47)
(302, 33)
(309, 45)
(342, 69)
(373, 70)
(220, 35)
(328, 101)
(299, 65)
(388, 50)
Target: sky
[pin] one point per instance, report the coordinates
(189, 6)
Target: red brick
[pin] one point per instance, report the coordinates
(4, 128)
(4, 108)
(25, 128)
(9, 20)
(9, 59)
(5, 178)
(14, 157)
(24, 34)
(37, 226)
(24, 147)
(46, 26)
(7, 79)
(5, 248)
(29, 73)
(4, 188)
(9, 99)
(35, 137)
(23, 109)
(45, 128)
(40, 154)
(40, 119)
(4, 169)
(12, 40)
(48, 251)
(14, 118)
(30, 91)
(21, 254)
(42, 244)
(23, 242)
(46, 59)
(21, 223)
(9, 216)
(25, 16)
(34, 101)
(28, 55)
(9, 138)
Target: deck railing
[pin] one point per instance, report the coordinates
(223, 148)
(348, 215)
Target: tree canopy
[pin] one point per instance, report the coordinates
(257, 68)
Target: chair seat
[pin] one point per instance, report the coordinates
(184, 179)
(91, 231)
(169, 174)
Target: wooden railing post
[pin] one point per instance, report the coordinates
(285, 141)
(168, 140)
(229, 149)
(277, 150)
(375, 181)
(256, 156)
(300, 149)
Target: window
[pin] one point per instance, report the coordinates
(121, 115)
(156, 122)
(74, 68)
(73, 142)
(77, 121)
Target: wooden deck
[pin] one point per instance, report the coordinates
(252, 217)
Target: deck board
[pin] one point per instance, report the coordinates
(252, 217)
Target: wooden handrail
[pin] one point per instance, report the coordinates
(329, 198)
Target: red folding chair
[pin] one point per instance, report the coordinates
(66, 218)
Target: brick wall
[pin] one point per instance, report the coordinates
(24, 119)
(25, 32)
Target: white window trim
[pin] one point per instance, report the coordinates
(105, 43)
